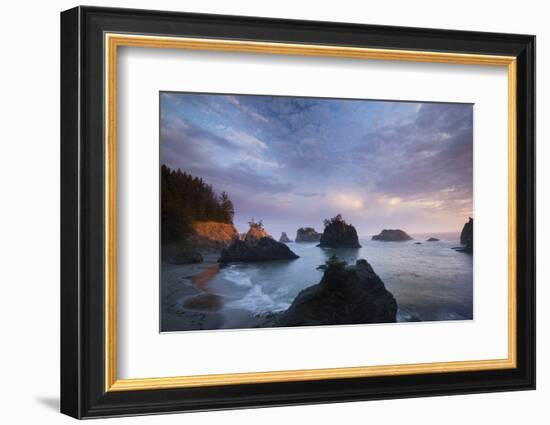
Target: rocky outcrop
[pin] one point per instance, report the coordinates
(467, 236)
(212, 235)
(307, 234)
(432, 240)
(264, 249)
(186, 256)
(339, 234)
(392, 235)
(284, 238)
(345, 295)
(255, 233)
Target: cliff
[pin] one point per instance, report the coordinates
(212, 235)
(307, 234)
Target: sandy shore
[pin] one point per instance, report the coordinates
(189, 304)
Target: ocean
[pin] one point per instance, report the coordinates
(430, 281)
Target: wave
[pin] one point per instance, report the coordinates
(237, 277)
(257, 301)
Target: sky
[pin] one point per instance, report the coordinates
(294, 161)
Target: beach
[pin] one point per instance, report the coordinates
(188, 302)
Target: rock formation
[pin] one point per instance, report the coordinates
(432, 240)
(212, 235)
(264, 249)
(284, 238)
(307, 234)
(392, 235)
(345, 295)
(255, 232)
(467, 236)
(339, 234)
(186, 256)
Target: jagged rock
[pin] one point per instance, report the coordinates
(345, 295)
(264, 249)
(418, 243)
(186, 257)
(307, 234)
(339, 234)
(284, 238)
(392, 235)
(432, 240)
(467, 236)
(255, 233)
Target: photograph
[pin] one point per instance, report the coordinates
(280, 211)
(268, 211)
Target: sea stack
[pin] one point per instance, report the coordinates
(392, 235)
(284, 238)
(257, 245)
(339, 234)
(467, 236)
(255, 232)
(264, 249)
(307, 234)
(432, 240)
(345, 295)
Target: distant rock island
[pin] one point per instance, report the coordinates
(339, 234)
(392, 235)
(284, 238)
(467, 237)
(345, 295)
(432, 240)
(307, 234)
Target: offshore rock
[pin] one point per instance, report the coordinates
(307, 234)
(339, 234)
(392, 235)
(345, 295)
(264, 249)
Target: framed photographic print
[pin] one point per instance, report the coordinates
(261, 212)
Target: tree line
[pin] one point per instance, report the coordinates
(184, 199)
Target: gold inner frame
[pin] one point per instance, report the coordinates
(113, 41)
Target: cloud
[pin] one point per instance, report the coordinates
(252, 113)
(244, 139)
(346, 201)
(306, 159)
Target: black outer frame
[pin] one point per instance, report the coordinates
(82, 203)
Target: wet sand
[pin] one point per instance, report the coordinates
(187, 303)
